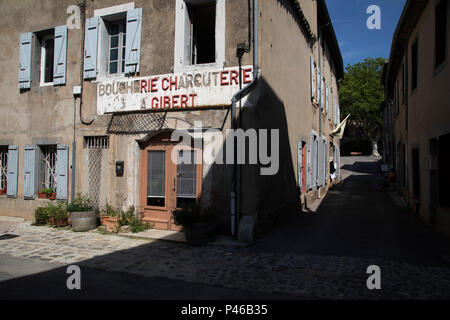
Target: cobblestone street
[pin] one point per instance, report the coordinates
(262, 268)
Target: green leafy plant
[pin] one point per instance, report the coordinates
(108, 210)
(41, 216)
(190, 215)
(81, 203)
(48, 191)
(137, 225)
(126, 217)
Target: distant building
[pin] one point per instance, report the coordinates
(417, 109)
(93, 108)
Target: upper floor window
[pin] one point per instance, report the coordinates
(414, 64)
(47, 44)
(199, 34)
(113, 42)
(201, 38)
(117, 46)
(440, 32)
(43, 56)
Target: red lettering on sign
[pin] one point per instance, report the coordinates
(153, 83)
(155, 103)
(166, 102)
(234, 77)
(193, 95)
(184, 100)
(144, 86)
(163, 84)
(174, 83)
(247, 73)
(175, 101)
(223, 78)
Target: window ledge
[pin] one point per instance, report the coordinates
(46, 84)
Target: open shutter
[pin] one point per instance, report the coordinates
(320, 89)
(62, 172)
(188, 39)
(29, 167)
(314, 149)
(299, 165)
(327, 96)
(313, 78)
(26, 40)
(90, 48)
(133, 43)
(308, 166)
(13, 165)
(327, 163)
(321, 162)
(60, 56)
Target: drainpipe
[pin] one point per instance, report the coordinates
(238, 96)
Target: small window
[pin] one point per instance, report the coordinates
(96, 142)
(441, 32)
(47, 167)
(414, 64)
(202, 29)
(47, 57)
(3, 170)
(117, 43)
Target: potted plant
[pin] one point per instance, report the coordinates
(58, 215)
(110, 219)
(47, 193)
(199, 225)
(82, 215)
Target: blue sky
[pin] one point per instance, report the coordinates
(356, 41)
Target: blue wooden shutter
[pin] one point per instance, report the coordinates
(308, 166)
(90, 48)
(314, 149)
(133, 43)
(13, 166)
(62, 172)
(60, 56)
(327, 162)
(299, 164)
(26, 40)
(313, 78)
(327, 96)
(29, 167)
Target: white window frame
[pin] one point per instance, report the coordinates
(120, 47)
(43, 55)
(180, 65)
(103, 40)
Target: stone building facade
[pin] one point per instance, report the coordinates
(417, 110)
(102, 86)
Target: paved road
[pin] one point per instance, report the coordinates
(324, 255)
(356, 220)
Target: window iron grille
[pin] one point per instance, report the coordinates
(3, 168)
(49, 155)
(99, 142)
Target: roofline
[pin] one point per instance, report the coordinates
(332, 40)
(408, 20)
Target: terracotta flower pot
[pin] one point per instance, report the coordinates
(50, 196)
(110, 223)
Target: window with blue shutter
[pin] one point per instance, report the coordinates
(299, 164)
(13, 166)
(62, 173)
(26, 41)
(133, 41)
(314, 164)
(60, 56)
(29, 167)
(313, 78)
(308, 166)
(90, 48)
